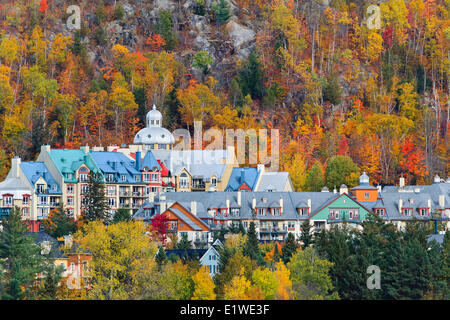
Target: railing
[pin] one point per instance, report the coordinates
(54, 204)
(124, 193)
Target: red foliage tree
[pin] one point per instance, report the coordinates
(43, 6)
(159, 225)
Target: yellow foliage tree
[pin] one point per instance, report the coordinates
(203, 285)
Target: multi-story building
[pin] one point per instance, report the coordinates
(277, 213)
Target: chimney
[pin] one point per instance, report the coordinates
(437, 179)
(334, 190)
(309, 205)
(15, 165)
(239, 198)
(194, 207)
(429, 204)
(261, 167)
(138, 160)
(379, 188)
(401, 182)
(253, 203)
(68, 240)
(400, 205)
(45, 148)
(281, 205)
(228, 205)
(442, 200)
(162, 206)
(85, 149)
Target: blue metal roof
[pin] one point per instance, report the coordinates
(116, 163)
(248, 175)
(36, 170)
(150, 162)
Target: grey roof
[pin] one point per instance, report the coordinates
(433, 191)
(275, 181)
(202, 164)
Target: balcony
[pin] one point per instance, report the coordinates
(124, 193)
(54, 204)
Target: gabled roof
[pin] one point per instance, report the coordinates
(70, 160)
(247, 175)
(275, 181)
(150, 162)
(36, 170)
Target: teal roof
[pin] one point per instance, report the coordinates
(68, 161)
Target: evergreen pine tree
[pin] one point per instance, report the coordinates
(289, 248)
(446, 260)
(121, 214)
(251, 77)
(19, 257)
(95, 206)
(161, 257)
(251, 248)
(184, 243)
(222, 11)
(306, 236)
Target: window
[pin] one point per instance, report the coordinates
(423, 211)
(137, 178)
(84, 189)
(83, 177)
(303, 211)
(366, 195)
(261, 211)
(112, 202)
(334, 214)
(70, 201)
(110, 177)
(7, 200)
(184, 180)
(152, 146)
(213, 182)
(154, 177)
(25, 199)
(276, 211)
(235, 212)
(54, 187)
(353, 214)
(123, 177)
(72, 267)
(111, 190)
(42, 200)
(70, 189)
(70, 212)
(379, 212)
(146, 177)
(162, 146)
(40, 188)
(26, 212)
(407, 212)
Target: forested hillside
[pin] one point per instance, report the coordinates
(312, 69)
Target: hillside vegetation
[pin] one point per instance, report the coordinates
(312, 69)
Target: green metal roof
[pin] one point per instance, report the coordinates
(70, 160)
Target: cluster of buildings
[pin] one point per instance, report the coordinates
(132, 175)
(201, 191)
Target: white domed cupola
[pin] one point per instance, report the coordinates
(154, 118)
(153, 136)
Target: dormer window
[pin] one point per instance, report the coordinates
(407, 212)
(261, 211)
(213, 182)
(235, 212)
(40, 188)
(123, 177)
(110, 177)
(276, 211)
(137, 178)
(54, 187)
(303, 211)
(380, 212)
(423, 211)
(83, 177)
